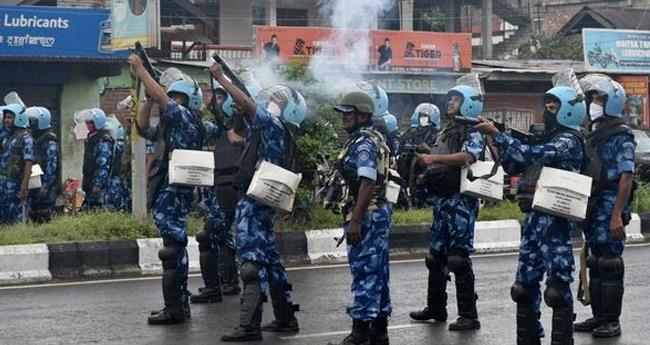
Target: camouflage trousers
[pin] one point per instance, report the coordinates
(545, 248)
(370, 268)
(118, 195)
(170, 209)
(255, 240)
(597, 233)
(12, 209)
(218, 223)
(453, 224)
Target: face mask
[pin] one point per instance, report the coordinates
(550, 121)
(274, 109)
(595, 111)
(424, 121)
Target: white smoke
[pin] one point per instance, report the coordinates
(335, 73)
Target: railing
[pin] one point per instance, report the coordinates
(203, 52)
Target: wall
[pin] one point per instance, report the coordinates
(530, 101)
(235, 22)
(79, 93)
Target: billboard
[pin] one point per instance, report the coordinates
(405, 51)
(636, 112)
(133, 21)
(422, 51)
(55, 32)
(616, 51)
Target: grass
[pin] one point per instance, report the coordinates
(116, 226)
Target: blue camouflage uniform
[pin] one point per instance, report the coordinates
(17, 147)
(255, 237)
(617, 157)
(119, 190)
(102, 154)
(368, 259)
(171, 204)
(546, 240)
(453, 240)
(47, 156)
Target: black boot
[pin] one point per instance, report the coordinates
(527, 317)
(186, 310)
(562, 326)
(436, 308)
(209, 262)
(360, 334)
(612, 284)
(379, 331)
(283, 310)
(466, 301)
(171, 285)
(251, 306)
(229, 272)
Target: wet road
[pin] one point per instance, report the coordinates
(114, 312)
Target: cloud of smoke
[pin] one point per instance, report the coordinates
(342, 57)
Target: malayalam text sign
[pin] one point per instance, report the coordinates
(616, 51)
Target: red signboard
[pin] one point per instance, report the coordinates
(636, 110)
(405, 51)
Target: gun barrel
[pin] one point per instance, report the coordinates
(236, 80)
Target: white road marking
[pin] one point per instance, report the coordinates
(329, 334)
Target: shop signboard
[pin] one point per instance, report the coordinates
(636, 112)
(41, 31)
(616, 51)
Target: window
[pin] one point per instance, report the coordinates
(259, 15)
(292, 17)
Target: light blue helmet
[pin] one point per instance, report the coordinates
(41, 116)
(472, 104)
(226, 106)
(613, 92)
(378, 95)
(281, 100)
(426, 108)
(391, 122)
(191, 90)
(96, 116)
(20, 116)
(572, 111)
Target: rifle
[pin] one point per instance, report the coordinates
(238, 121)
(139, 50)
(462, 120)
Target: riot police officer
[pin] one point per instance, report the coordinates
(180, 128)
(98, 158)
(610, 150)
(216, 243)
(363, 164)
(46, 151)
(119, 191)
(454, 213)
(16, 159)
(279, 110)
(546, 239)
(421, 137)
(394, 137)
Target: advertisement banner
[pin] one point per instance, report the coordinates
(55, 32)
(404, 51)
(133, 21)
(636, 111)
(616, 51)
(421, 51)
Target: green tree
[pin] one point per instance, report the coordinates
(552, 47)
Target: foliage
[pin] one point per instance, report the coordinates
(85, 227)
(641, 203)
(544, 46)
(433, 19)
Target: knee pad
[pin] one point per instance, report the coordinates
(169, 256)
(521, 293)
(203, 238)
(250, 271)
(434, 260)
(555, 293)
(459, 262)
(611, 267)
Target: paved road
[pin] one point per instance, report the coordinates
(114, 312)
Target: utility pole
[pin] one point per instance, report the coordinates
(138, 163)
